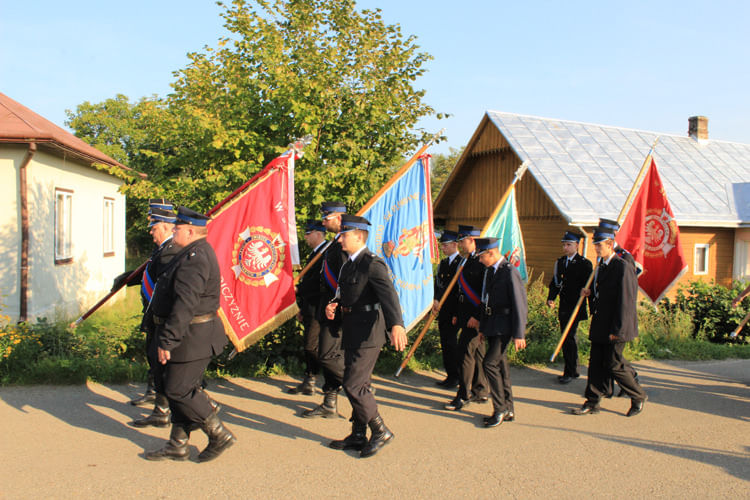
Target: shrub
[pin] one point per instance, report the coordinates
(710, 307)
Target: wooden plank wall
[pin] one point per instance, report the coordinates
(720, 252)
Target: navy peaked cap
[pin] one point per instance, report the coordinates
(188, 216)
(350, 222)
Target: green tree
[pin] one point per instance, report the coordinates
(442, 166)
(288, 68)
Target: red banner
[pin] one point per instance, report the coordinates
(255, 239)
(650, 233)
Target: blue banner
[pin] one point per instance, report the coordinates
(402, 235)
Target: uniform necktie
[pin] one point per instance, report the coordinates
(488, 275)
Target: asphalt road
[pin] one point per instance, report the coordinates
(691, 441)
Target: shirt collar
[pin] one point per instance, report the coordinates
(320, 245)
(499, 262)
(451, 257)
(355, 254)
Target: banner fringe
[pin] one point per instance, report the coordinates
(257, 334)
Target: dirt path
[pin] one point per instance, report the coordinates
(692, 440)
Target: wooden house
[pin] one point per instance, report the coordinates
(579, 172)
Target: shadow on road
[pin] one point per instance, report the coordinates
(87, 415)
(735, 463)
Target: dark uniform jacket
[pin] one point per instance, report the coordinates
(308, 288)
(187, 289)
(470, 290)
(613, 302)
(567, 282)
(333, 258)
(160, 257)
(445, 273)
(506, 306)
(159, 260)
(369, 302)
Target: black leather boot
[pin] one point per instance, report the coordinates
(159, 416)
(381, 436)
(176, 448)
(307, 387)
(148, 397)
(219, 438)
(354, 441)
(327, 408)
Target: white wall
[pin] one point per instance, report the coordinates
(11, 157)
(62, 291)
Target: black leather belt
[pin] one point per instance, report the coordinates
(203, 318)
(488, 311)
(365, 308)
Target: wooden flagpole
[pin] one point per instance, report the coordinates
(377, 195)
(434, 313)
(737, 330)
(104, 299)
(636, 184)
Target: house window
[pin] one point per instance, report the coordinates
(700, 264)
(108, 232)
(63, 226)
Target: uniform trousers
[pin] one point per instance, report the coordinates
(449, 345)
(497, 370)
(606, 361)
(311, 340)
(359, 364)
(570, 346)
(472, 381)
(330, 355)
(181, 383)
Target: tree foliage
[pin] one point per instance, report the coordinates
(287, 68)
(442, 166)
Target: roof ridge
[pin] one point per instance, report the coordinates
(660, 134)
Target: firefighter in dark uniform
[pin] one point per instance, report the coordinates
(371, 311)
(161, 222)
(569, 276)
(612, 226)
(614, 322)
(504, 312)
(330, 355)
(472, 386)
(448, 330)
(308, 300)
(188, 333)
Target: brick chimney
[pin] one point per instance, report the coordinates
(698, 127)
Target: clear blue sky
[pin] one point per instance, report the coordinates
(645, 65)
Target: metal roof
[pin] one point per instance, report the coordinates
(587, 170)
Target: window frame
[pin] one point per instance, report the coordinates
(706, 248)
(65, 257)
(108, 217)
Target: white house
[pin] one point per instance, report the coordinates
(62, 218)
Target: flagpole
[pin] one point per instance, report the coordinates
(104, 299)
(400, 172)
(636, 184)
(434, 313)
(377, 195)
(295, 148)
(736, 331)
